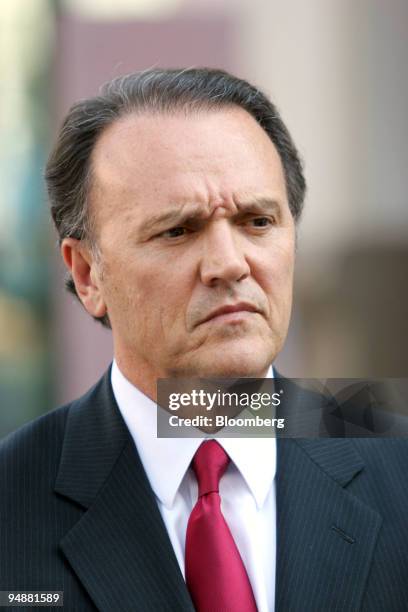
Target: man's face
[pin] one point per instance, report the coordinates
(196, 244)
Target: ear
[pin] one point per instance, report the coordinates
(84, 271)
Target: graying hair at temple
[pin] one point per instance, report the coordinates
(68, 172)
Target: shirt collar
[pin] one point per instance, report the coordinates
(255, 458)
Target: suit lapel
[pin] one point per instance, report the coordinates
(325, 535)
(119, 549)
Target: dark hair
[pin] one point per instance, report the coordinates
(68, 171)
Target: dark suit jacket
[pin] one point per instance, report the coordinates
(77, 514)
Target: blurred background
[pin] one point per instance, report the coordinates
(337, 70)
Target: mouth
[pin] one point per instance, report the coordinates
(231, 313)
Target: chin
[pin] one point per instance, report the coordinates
(242, 361)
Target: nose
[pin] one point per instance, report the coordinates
(223, 258)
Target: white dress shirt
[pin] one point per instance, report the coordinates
(247, 489)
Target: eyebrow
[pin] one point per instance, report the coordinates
(179, 215)
(259, 203)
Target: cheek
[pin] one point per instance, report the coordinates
(163, 297)
(276, 252)
(276, 279)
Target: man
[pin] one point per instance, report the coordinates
(175, 195)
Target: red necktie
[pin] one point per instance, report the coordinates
(215, 575)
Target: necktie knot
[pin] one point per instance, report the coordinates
(209, 464)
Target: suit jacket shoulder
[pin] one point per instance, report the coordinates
(78, 515)
(342, 532)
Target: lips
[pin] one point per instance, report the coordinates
(240, 307)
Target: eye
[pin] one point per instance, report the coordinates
(261, 221)
(174, 232)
